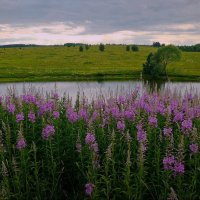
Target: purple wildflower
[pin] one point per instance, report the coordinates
(8, 99)
(48, 131)
(120, 125)
(153, 121)
(178, 117)
(29, 98)
(179, 168)
(115, 112)
(94, 146)
(56, 114)
(72, 116)
(55, 96)
(89, 187)
(122, 99)
(99, 104)
(186, 125)
(148, 108)
(168, 162)
(143, 147)
(21, 144)
(46, 107)
(189, 97)
(91, 141)
(161, 108)
(174, 104)
(129, 114)
(94, 116)
(194, 148)
(139, 126)
(90, 138)
(31, 116)
(11, 108)
(167, 131)
(141, 134)
(83, 114)
(19, 117)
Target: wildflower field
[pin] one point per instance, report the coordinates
(135, 146)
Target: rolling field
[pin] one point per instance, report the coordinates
(67, 63)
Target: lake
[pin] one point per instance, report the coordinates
(93, 89)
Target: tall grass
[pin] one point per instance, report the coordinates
(121, 147)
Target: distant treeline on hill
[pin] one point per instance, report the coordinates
(73, 44)
(192, 48)
(18, 45)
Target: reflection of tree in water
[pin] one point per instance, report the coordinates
(154, 85)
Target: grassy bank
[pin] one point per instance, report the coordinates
(67, 63)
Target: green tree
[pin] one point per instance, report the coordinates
(101, 47)
(166, 55)
(135, 48)
(156, 64)
(87, 47)
(127, 48)
(81, 48)
(147, 66)
(156, 44)
(193, 48)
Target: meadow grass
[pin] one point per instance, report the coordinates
(131, 146)
(67, 63)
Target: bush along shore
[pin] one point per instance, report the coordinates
(133, 146)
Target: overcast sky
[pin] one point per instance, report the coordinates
(95, 21)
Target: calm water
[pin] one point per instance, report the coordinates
(93, 89)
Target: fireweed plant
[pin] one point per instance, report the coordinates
(135, 146)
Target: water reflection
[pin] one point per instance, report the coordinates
(93, 89)
(154, 85)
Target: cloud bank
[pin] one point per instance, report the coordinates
(107, 21)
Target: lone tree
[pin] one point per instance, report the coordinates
(127, 48)
(101, 47)
(81, 48)
(135, 48)
(166, 55)
(156, 64)
(147, 66)
(87, 47)
(156, 44)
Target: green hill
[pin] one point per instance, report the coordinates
(68, 63)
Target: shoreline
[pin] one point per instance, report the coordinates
(98, 78)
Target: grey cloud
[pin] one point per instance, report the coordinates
(111, 14)
(14, 40)
(105, 16)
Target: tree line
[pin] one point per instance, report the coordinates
(102, 47)
(192, 48)
(19, 45)
(187, 48)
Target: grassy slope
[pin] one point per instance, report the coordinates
(64, 63)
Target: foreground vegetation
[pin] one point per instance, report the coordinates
(68, 63)
(129, 146)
